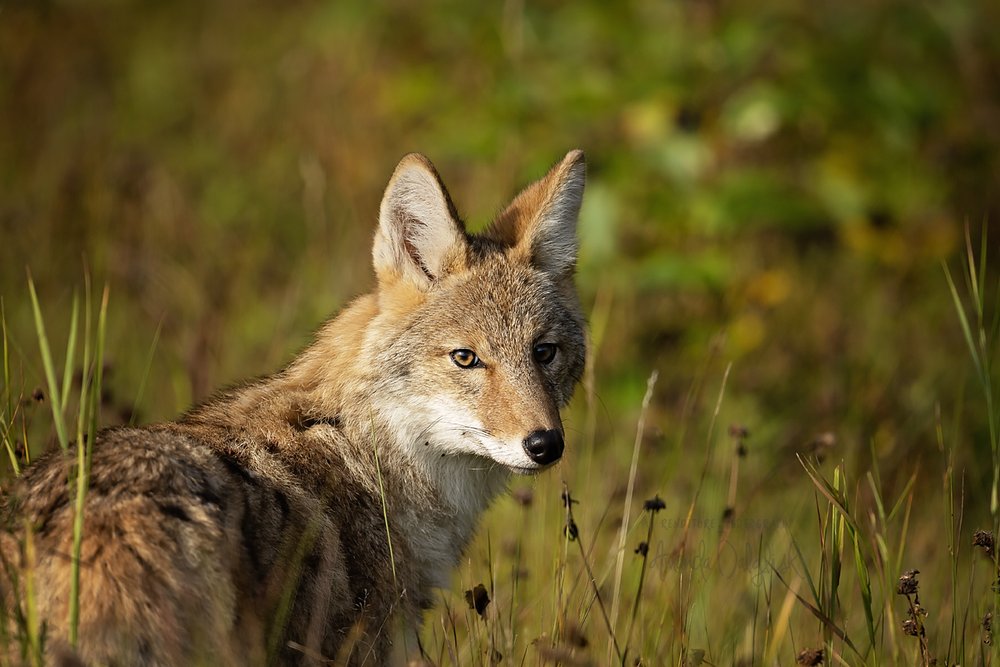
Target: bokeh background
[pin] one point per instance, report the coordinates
(773, 190)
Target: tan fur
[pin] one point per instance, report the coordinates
(251, 530)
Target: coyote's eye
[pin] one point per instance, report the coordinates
(544, 352)
(465, 358)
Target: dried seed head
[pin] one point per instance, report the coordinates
(524, 496)
(727, 514)
(810, 656)
(693, 657)
(984, 539)
(739, 431)
(911, 628)
(38, 395)
(908, 583)
(478, 599)
(642, 549)
(571, 530)
(741, 450)
(825, 440)
(821, 444)
(654, 504)
(575, 636)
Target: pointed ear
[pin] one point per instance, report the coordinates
(420, 237)
(540, 224)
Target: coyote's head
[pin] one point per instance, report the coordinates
(483, 338)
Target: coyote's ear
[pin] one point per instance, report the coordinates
(420, 237)
(540, 224)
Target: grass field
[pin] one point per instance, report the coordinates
(789, 265)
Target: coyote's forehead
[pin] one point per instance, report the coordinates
(504, 304)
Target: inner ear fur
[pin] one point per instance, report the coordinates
(539, 225)
(420, 237)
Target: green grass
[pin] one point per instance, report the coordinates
(91, 364)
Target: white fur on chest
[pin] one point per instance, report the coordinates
(438, 535)
(448, 483)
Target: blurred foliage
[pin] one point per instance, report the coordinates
(772, 184)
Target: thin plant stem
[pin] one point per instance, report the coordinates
(644, 551)
(633, 468)
(574, 535)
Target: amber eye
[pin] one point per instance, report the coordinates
(544, 352)
(464, 358)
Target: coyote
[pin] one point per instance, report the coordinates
(302, 518)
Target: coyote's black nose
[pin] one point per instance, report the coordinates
(544, 446)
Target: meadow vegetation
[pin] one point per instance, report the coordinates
(789, 265)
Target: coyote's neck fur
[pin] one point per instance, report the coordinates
(337, 395)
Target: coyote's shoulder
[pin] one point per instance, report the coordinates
(303, 516)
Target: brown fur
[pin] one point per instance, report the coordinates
(252, 529)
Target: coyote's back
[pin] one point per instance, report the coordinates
(308, 516)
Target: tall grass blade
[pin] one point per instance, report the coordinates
(87, 419)
(865, 582)
(832, 494)
(804, 567)
(982, 361)
(9, 415)
(55, 397)
(67, 381)
(385, 507)
(145, 374)
(80, 470)
(33, 625)
(293, 576)
(984, 244)
(95, 395)
(966, 328)
(903, 496)
(823, 618)
(622, 533)
(836, 548)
